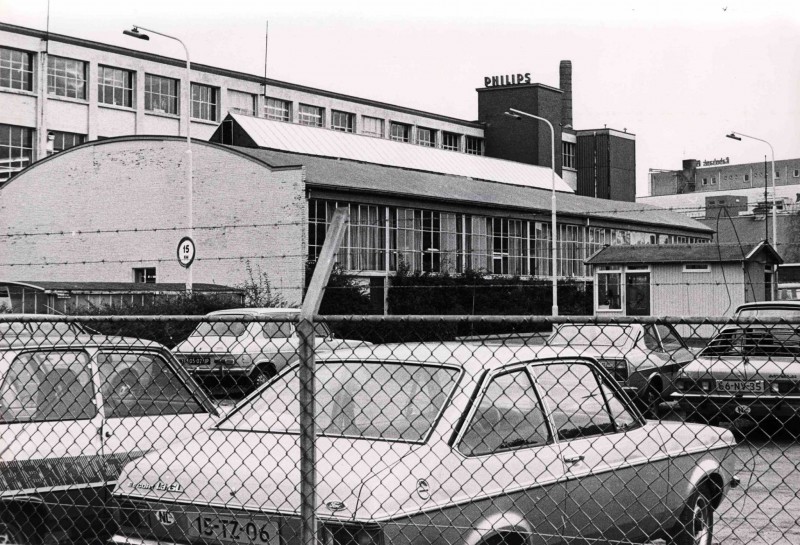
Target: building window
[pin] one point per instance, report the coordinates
(451, 141)
(66, 77)
(278, 110)
(697, 268)
(609, 289)
(144, 275)
(713, 180)
(115, 86)
(343, 121)
(746, 177)
(313, 116)
(426, 137)
(372, 126)
(160, 94)
(400, 132)
(16, 69)
(777, 173)
(63, 140)
(240, 102)
(16, 150)
(509, 246)
(474, 145)
(568, 153)
(570, 262)
(205, 100)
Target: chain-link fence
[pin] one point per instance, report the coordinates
(270, 428)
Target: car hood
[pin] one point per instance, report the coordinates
(232, 345)
(738, 367)
(260, 471)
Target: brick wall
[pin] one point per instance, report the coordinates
(140, 183)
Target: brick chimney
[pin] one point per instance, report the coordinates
(565, 83)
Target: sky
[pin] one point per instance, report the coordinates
(680, 75)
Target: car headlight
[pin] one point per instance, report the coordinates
(350, 534)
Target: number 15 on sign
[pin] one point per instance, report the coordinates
(186, 252)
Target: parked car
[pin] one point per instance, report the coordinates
(73, 411)
(643, 358)
(419, 444)
(237, 357)
(747, 369)
(34, 327)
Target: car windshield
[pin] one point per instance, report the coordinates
(594, 335)
(755, 341)
(270, 330)
(788, 313)
(375, 400)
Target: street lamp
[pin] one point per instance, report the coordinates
(738, 136)
(134, 32)
(516, 114)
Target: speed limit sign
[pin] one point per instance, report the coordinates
(186, 252)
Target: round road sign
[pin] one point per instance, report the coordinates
(186, 252)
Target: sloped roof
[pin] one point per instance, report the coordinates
(322, 142)
(681, 253)
(325, 172)
(121, 287)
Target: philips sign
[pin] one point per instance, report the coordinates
(506, 80)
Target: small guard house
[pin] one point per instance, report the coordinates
(682, 279)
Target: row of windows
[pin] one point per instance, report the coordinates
(380, 238)
(314, 116)
(713, 180)
(17, 145)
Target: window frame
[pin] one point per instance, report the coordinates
(162, 96)
(366, 120)
(431, 141)
(696, 268)
(148, 275)
(278, 109)
(18, 67)
(315, 118)
(235, 97)
(447, 135)
(206, 103)
(105, 88)
(474, 145)
(63, 70)
(613, 270)
(349, 125)
(568, 154)
(16, 148)
(403, 134)
(60, 141)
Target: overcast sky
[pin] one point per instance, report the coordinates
(679, 75)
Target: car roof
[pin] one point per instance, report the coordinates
(264, 311)
(470, 357)
(77, 341)
(769, 304)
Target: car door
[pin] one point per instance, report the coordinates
(146, 403)
(49, 440)
(512, 469)
(615, 488)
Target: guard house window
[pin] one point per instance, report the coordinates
(796, 173)
(474, 145)
(66, 77)
(313, 116)
(400, 132)
(16, 150)
(426, 137)
(240, 102)
(746, 177)
(205, 101)
(342, 121)
(372, 126)
(451, 141)
(568, 153)
(609, 292)
(697, 268)
(115, 86)
(160, 94)
(144, 275)
(16, 69)
(64, 140)
(277, 110)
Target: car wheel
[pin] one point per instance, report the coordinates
(261, 375)
(696, 523)
(651, 399)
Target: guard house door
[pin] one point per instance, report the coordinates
(637, 294)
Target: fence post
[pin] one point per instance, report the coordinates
(307, 345)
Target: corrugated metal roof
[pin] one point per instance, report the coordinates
(121, 287)
(680, 253)
(328, 143)
(324, 172)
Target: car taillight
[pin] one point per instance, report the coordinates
(705, 385)
(350, 534)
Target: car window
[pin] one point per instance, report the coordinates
(591, 335)
(651, 339)
(573, 396)
(508, 415)
(623, 418)
(378, 400)
(48, 385)
(669, 338)
(275, 330)
(142, 384)
(765, 341)
(788, 313)
(220, 329)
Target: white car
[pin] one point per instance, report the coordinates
(72, 413)
(237, 357)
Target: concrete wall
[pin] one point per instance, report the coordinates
(140, 184)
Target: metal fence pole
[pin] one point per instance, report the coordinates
(308, 469)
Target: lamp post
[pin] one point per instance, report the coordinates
(738, 136)
(134, 32)
(553, 249)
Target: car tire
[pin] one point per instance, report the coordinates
(650, 400)
(696, 522)
(261, 375)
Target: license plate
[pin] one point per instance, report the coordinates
(197, 360)
(234, 529)
(741, 386)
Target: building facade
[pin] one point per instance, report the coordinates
(59, 91)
